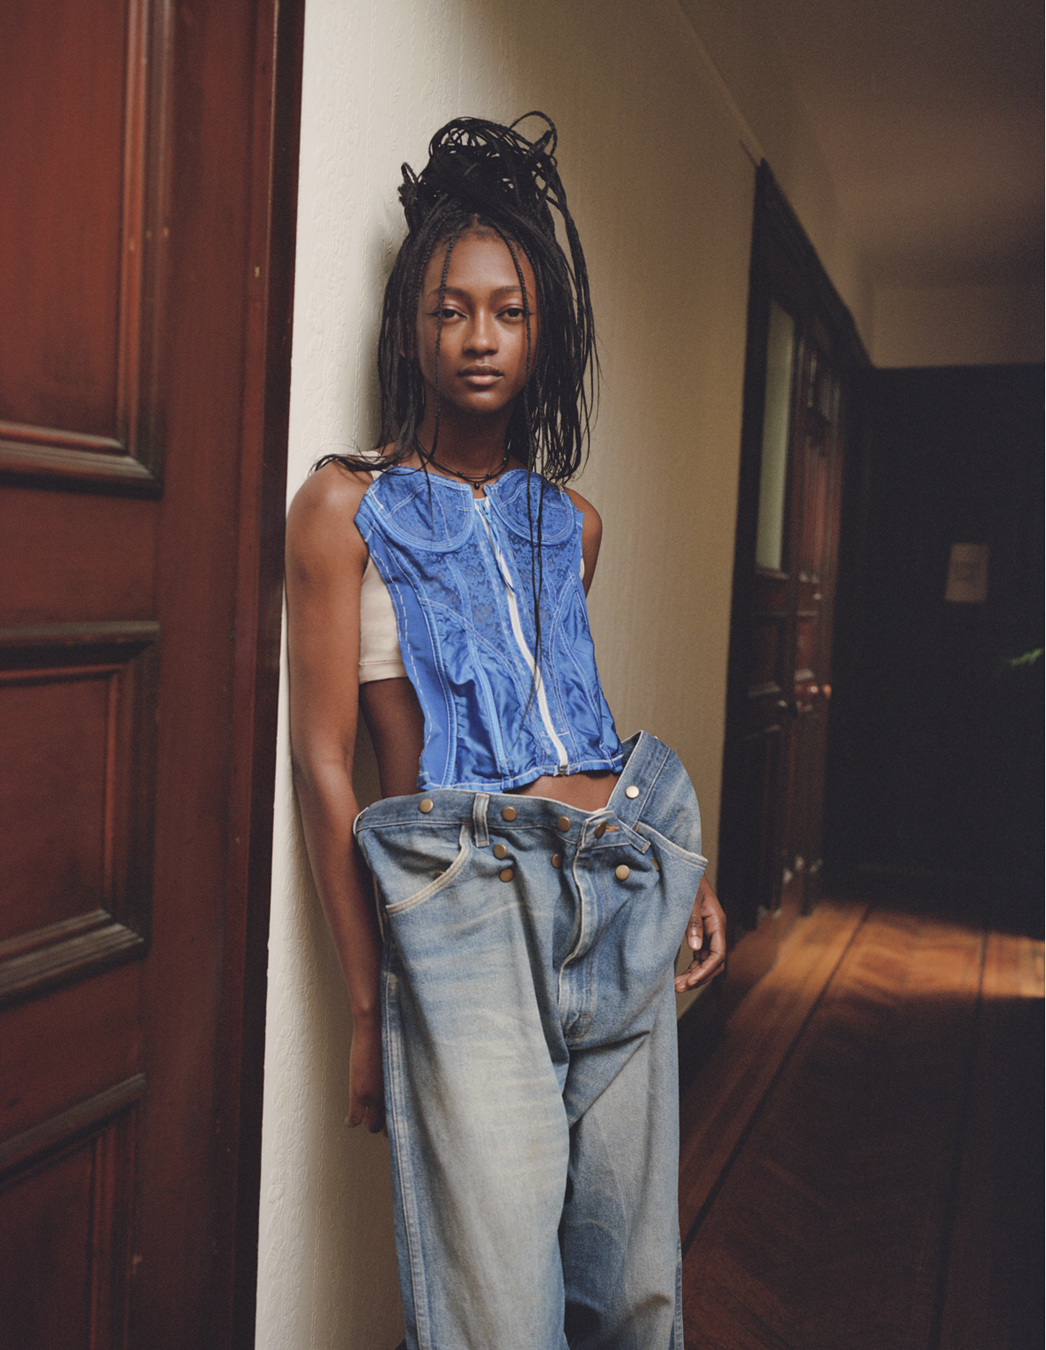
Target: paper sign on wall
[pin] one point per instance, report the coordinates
(968, 574)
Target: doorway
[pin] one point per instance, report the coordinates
(937, 795)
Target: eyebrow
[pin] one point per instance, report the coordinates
(498, 291)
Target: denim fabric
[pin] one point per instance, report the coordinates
(530, 1058)
(459, 572)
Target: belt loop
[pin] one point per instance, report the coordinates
(479, 819)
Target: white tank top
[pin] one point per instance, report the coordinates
(380, 657)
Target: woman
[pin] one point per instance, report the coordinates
(533, 875)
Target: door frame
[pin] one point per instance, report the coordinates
(784, 266)
(279, 38)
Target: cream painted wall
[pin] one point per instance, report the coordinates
(739, 39)
(970, 324)
(659, 163)
(958, 325)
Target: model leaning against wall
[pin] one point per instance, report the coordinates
(512, 991)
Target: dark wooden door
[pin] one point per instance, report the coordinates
(802, 352)
(147, 169)
(815, 472)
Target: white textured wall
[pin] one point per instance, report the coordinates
(658, 162)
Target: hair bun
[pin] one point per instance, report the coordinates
(488, 169)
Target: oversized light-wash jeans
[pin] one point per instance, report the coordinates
(530, 1058)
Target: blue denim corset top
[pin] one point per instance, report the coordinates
(461, 571)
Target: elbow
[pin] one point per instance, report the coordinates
(302, 762)
(318, 775)
(301, 771)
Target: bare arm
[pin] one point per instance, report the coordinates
(326, 558)
(591, 535)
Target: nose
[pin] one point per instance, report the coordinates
(482, 338)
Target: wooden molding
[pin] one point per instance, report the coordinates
(58, 1132)
(70, 459)
(71, 949)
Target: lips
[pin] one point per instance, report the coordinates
(481, 375)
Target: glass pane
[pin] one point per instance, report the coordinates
(773, 475)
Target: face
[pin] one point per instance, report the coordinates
(483, 344)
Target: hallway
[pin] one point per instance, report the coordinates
(861, 1155)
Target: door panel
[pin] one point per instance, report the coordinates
(817, 467)
(84, 242)
(80, 577)
(144, 316)
(60, 361)
(55, 1051)
(68, 1192)
(77, 716)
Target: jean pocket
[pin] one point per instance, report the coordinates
(440, 862)
(662, 843)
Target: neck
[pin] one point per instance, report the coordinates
(471, 476)
(471, 447)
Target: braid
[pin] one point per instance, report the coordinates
(484, 175)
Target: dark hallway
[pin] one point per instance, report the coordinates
(861, 1162)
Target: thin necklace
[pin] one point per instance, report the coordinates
(456, 473)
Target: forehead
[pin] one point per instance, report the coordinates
(479, 260)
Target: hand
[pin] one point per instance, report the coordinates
(706, 938)
(366, 1085)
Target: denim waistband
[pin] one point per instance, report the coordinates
(651, 779)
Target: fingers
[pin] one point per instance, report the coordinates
(700, 971)
(366, 1085)
(370, 1114)
(706, 938)
(367, 1109)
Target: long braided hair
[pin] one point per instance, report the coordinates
(484, 176)
(487, 177)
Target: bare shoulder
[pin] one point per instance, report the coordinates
(321, 528)
(331, 493)
(591, 534)
(593, 520)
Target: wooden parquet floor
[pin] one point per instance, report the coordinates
(862, 1155)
